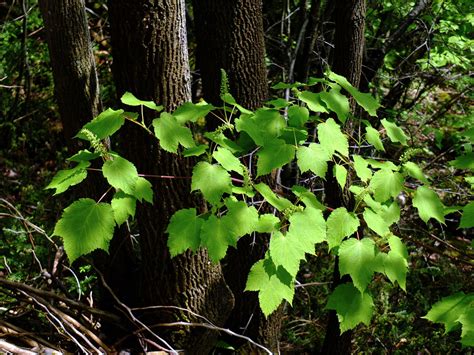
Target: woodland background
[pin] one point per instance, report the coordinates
(414, 56)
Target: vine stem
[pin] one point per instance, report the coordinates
(105, 194)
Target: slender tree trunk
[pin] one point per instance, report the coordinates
(151, 61)
(348, 55)
(231, 37)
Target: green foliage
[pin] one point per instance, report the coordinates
(428, 204)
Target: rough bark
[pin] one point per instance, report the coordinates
(151, 61)
(348, 55)
(230, 36)
(76, 86)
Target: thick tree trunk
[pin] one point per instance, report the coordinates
(75, 79)
(348, 55)
(230, 36)
(151, 61)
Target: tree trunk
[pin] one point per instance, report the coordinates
(348, 55)
(231, 37)
(151, 61)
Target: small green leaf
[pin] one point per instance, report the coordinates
(69, 177)
(286, 250)
(367, 101)
(394, 132)
(267, 223)
(212, 180)
(376, 222)
(143, 190)
(83, 155)
(189, 112)
(274, 155)
(123, 206)
(228, 160)
(313, 158)
(297, 116)
(449, 309)
(313, 100)
(195, 151)
(242, 219)
(307, 197)
(385, 184)
(340, 224)
(104, 125)
(216, 236)
(130, 100)
(361, 168)
(171, 133)
(308, 227)
(184, 231)
(373, 137)
(351, 306)
(279, 203)
(356, 258)
(396, 264)
(121, 174)
(336, 102)
(428, 204)
(467, 219)
(465, 161)
(415, 172)
(332, 139)
(264, 126)
(85, 226)
(341, 175)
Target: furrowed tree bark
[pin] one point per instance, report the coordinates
(151, 61)
(231, 37)
(348, 56)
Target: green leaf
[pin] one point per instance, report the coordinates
(376, 222)
(278, 103)
(267, 223)
(69, 177)
(123, 206)
(274, 155)
(297, 116)
(385, 184)
(332, 139)
(336, 102)
(379, 164)
(308, 227)
(263, 127)
(184, 231)
(229, 99)
(415, 172)
(313, 100)
(467, 219)
(428, 204)
(104, 125)
(242, 219)
(130, 100)
(212, 180)
(216, 236)
(143, 190)
(373, 137)
(171, 133)
(195, 151)
(83, 155)
(189, 112)
(351, 306)
(467, 322)
(279, 203)
(465, 161)
(313, 158)
(356, 258)
(285, 250)
(274, 285)
(449, 309)
(340, 224)
(394, 132)
(367, 101)
(85, 226)
(121, 174)
(228, 160)
(361, 168)
(396, 264)
(307, 197)
(341, 175)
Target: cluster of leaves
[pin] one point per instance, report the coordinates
(233, 185)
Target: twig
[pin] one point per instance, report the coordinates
(14, 349)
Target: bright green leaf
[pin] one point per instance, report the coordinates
(287, 251)
(228, 160)
(171, 133)
(121, 174)
(130, 100)
(332, 139)
(361, 168)
(313, 158)
(189, 112)
(308, 227)
(123, 206)
(373, 137)
(341, 175)
(212, 180)
(297, 116)
(394, 132)
(104, 125)
(340, 224)
(242, 219)
(143, 190)
(307, 197)
(336, 102)
(385, 184)
(274, 155)
(467, 219)
(313, 100)
(195, 151)
(356, 259)
(216, 236)
(280, 203)
(415, 172)
(184, 231)
(69, 177)
(85, 226)
(467, 322)
(83, 155)
(376, 222)
(267, 223)
(428, 204)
